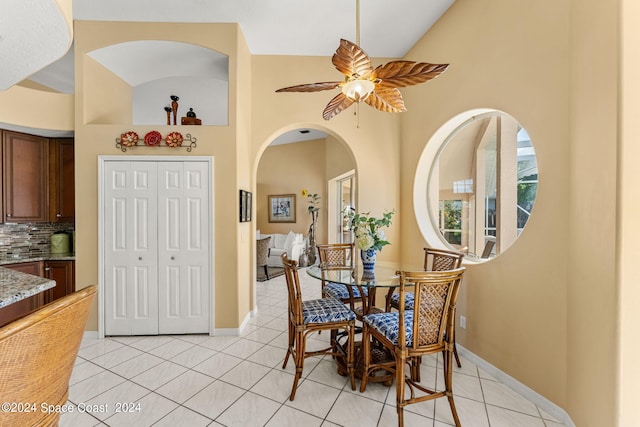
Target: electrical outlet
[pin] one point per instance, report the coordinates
(463, 322)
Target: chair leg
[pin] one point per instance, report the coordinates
(266, 272)
(387, 305)
(365, 353)
(299, 359)
(400, 379)
(289, 349)
(415, 368)
(448, 381)
(455, 353)
(351, 364)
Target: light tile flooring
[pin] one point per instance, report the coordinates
(198, 380)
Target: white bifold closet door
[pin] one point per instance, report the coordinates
(157, 274)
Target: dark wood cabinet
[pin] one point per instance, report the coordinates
(63, 272)
(61, 181)
(25, 177)
(34, 268)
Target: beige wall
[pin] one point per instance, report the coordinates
(231, 257)
(287, 169)
(628, 232)
(290, 168)
(545, 312)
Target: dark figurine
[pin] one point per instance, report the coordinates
(168, 110)
(191, 113)
(174, 107)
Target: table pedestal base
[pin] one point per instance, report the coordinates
(378, 356)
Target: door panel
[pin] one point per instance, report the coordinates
(131, 261)
(183, 235)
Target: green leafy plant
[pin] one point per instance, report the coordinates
(313, 200)
(369, 229)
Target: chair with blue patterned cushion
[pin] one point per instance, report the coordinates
(411, 334)
(434, 260)
(339, 255)
(309, 316)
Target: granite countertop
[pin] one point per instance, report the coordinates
(37, 257)
(16, 286)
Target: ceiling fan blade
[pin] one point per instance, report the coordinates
(311, 87)
(351, 60)
(339, 103)
(407, 73)
(388, 100)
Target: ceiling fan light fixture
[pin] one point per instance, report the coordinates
(358, 90)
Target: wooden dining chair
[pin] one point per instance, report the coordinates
(309, 316)
(37, 355)
(411, 334)
(337, 255)
(434, 260)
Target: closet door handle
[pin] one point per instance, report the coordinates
(172, 258)
(139, 258)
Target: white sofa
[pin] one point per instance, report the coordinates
(291, 243)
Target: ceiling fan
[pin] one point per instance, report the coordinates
(376, 87)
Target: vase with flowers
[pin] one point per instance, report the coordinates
(313, 208)
(369, 236)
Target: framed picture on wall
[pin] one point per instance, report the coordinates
(245, 206)
(282, 208)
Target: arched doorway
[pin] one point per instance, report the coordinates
(303, 159)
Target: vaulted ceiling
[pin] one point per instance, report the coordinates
(271, 27)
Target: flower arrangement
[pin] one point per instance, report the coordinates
(313, 200)
(368, 229)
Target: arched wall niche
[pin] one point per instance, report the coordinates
(145, 73)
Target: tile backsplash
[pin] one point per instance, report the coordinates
(20, 240)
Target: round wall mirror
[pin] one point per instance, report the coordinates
(482, 185)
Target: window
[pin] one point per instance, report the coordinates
(482, 185)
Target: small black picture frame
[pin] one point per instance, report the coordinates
(245, 206)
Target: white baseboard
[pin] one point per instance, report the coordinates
(548, 406)
(233, 332)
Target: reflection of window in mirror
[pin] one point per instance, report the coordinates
(483, 185)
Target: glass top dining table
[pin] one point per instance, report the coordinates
(385, 274)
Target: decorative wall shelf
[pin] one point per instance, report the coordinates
(153, 139)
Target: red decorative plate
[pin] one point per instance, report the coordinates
(153, 138)
(129, 139)
(174, 139)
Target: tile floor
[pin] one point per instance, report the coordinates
(198, 380)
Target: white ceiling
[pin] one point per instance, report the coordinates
(288, 27)
(33, 34)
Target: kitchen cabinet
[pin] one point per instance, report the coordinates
(34, 268)
(25, 177)
(63, 272)
(61, 180)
